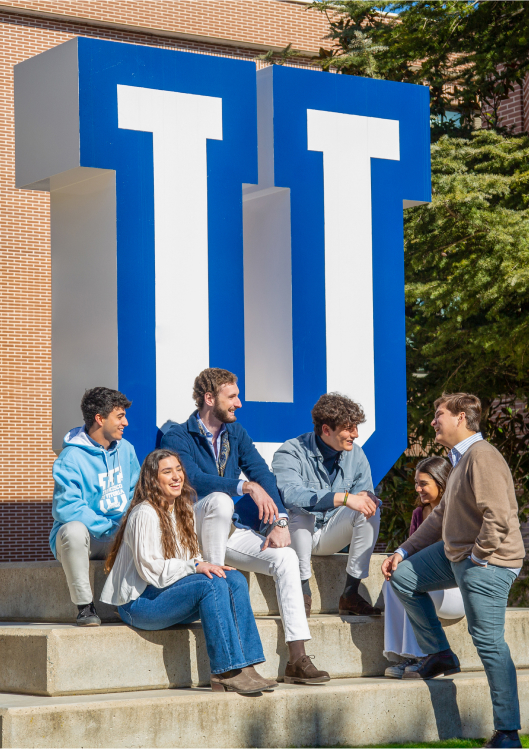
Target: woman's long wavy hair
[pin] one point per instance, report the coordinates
(148, 490)
(437, 469)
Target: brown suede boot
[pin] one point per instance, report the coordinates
(307, 600)
(268, 684)
(303, 671)
(357, 606)
(234, 681)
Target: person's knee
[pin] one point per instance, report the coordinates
(236, 580)
(74, 535)
(221, 504)
(398, 580)
(286, 562)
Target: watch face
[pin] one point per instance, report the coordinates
(282, 522)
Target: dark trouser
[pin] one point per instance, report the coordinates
(485, 591)
(223, 605)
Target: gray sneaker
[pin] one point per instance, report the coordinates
(397, 670)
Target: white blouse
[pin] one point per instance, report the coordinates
(140, 560)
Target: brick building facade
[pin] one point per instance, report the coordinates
(239, 29)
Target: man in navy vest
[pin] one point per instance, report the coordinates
(253, 535)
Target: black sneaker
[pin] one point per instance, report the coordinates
(504, 739)
(87, 616)
(432, 666)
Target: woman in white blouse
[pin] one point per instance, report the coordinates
(157, 578)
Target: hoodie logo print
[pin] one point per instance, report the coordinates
(113, 497)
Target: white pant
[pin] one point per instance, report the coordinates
(75, 547)
(345, 527)
(243, 550)
(399, 638)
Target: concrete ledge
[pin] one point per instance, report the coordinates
(350, 711)
(64, 659)
(37, 591)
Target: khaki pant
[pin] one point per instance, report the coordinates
(75, 547)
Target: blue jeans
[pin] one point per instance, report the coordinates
(485, 591)
(223, 606)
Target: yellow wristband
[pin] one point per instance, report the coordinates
(345, 498)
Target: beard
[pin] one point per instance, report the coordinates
(223, 415)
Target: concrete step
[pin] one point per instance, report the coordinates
(51, 659)
(354, 712)
(37, 591)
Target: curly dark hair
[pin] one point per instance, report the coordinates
(336, 410)
(210, 381)
(437, 469)
(101, 401)
(148, 490)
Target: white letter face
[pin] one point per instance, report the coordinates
(180, 124)
(161, 268)
(349, 142)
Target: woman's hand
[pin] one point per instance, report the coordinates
(205, 568)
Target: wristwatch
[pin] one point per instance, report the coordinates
(281, 523)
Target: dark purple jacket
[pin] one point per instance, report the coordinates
(416, 520)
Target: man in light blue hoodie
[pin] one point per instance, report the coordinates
(95, 476)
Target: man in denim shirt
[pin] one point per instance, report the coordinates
(325, 482)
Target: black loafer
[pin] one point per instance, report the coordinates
(87, 616)
(432, 666)
(504, 739)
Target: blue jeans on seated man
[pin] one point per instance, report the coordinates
(223, 606)
(485, 591)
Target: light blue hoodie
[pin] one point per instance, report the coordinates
(92, 485)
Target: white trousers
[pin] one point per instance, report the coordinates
(398, 633)
(75, 547)
(242, 549)
(345, 528)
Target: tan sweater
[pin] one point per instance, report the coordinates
(478, 512)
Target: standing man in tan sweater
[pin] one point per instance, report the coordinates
(471, 540)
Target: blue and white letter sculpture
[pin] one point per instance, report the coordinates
(203, 215)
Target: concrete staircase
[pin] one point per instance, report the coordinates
(113, 686)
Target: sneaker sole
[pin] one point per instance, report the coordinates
(296, 680)
(88, 624)
(414, 675)
(341, 612)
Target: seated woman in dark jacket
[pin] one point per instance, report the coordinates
(431, 476)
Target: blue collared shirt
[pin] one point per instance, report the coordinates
(215, 448)
(455, 455)
(457, 452)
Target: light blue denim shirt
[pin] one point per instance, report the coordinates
(303, 481)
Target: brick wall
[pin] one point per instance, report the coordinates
(233, 28)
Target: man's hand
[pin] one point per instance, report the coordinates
(278, 538)
(205, 568)
(360, 502)
(389, 565)
(265, 503)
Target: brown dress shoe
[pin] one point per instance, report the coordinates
(357, 606)
(303, 671)
(234, 681)
(307, 600)
(268, 685)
